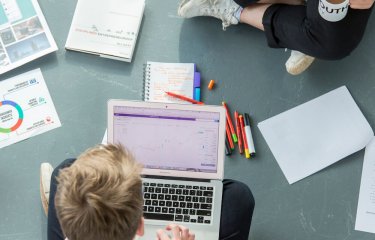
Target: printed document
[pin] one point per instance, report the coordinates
(24, 33)
(316, 134)
(26, 108)
(365, 220)
(106, 28)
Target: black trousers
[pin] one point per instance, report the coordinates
(236, 213)
(302, 28)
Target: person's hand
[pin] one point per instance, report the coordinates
(361, 4)
(178, 232)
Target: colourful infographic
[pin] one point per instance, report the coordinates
(26, 108)
(7, 115)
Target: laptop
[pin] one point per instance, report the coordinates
(181, 148)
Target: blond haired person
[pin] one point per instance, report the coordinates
(98, 196)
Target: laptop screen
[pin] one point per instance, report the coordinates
(169, 139)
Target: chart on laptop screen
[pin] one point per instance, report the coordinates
(169, 139)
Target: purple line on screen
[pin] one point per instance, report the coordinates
(153, 116)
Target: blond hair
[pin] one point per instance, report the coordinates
(100, 195)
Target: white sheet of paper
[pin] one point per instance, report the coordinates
(316, 134)
(365, 220)
(26, 108)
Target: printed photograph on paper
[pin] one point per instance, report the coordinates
(3, 57)
(28, 28)
(7, 36)
(27, 47)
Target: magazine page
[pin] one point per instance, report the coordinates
(24, 34)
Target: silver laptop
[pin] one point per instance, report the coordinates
(182, 150)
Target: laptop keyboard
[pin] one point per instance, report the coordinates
(179, 203)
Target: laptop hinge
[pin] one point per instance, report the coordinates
(177, 178)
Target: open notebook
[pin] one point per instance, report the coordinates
(180, 78)
(316, 134)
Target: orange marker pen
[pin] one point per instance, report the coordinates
(238, 131)
(229, 137)
(229, 119)
(247, 154)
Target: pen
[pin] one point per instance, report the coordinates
(183, 98)
(229, 119)
(247, 154)
(228, 151)
(229, 137)
(238, 131)
(249, 136)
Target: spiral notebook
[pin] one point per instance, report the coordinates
(180, 78)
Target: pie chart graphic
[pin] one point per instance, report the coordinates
(20, 116)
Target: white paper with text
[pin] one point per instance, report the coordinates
(365, 220)
(26, 108)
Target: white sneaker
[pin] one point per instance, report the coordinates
(221, 9)
(46, 170)
(298, 62)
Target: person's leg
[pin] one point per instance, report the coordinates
(236, 211)
(253, 14)
(289, 25)
(301, 28)
(230, 12)
(54, 231)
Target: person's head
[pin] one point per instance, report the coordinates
(100, 195)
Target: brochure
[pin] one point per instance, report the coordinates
(24, 34)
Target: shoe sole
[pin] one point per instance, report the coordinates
(44, 168)
(300, 66)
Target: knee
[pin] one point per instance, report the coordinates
(55, 173)
(335, 45)
(66, 163)
(247, 194)
(243, 193)
(336, 51)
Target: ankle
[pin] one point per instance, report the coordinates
(237, 14)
